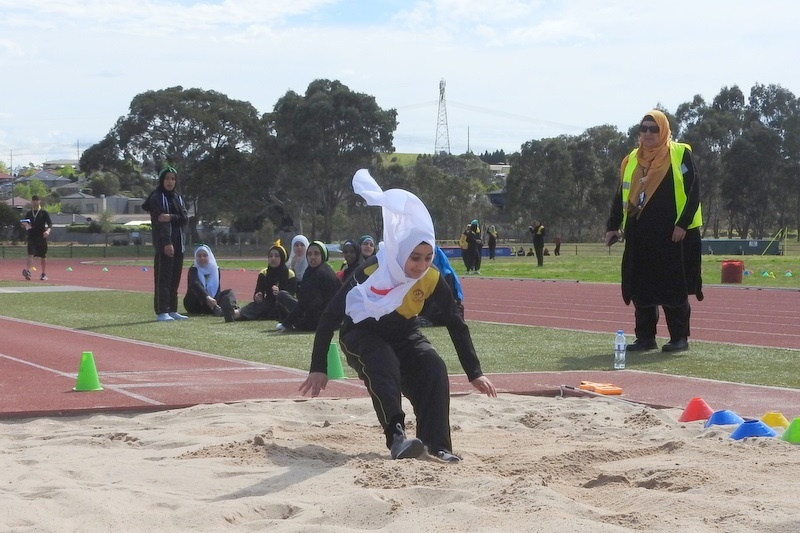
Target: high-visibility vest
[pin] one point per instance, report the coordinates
(676, 151)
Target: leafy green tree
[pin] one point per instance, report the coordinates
(104, 221)
(710, 130)
(326, 135)
(748, 187)
(193, 130)
(104, 183)
(31, 189)
(22, 190)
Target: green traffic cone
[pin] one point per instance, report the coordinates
(88, 380)
(335, 370)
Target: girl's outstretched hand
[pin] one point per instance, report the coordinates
(314, 383)
(484, 385)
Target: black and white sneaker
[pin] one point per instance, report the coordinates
(403, 447)
(26, 273)
(447, 457)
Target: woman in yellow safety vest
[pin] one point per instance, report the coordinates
(656, 210)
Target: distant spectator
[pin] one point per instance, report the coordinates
(318, 287)
(351, 253)
(475, 244)
(203, 288)
(538, 232)
(366, 244)
(168, 218)
(492, 241)
(557, 242)
(38, 224)
(466, 257)
(297, 256)
(273, 279)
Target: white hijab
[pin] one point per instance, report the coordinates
(406, 224)
(298, 263)
(209, 274)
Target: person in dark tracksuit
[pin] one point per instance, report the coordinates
(275, 278)
(38, 225)
(538, 232)
(475, 246)
(320, 284)
(492, 241)
(168, 218)
(351, 253)
(380, 336)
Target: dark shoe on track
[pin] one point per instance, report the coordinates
(44, 277)
(677, 345)
(403, 447)
(642, 345)
(447, 457)
(26, 273)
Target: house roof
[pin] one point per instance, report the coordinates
(44, 175)
(18, 202)
(79, 196)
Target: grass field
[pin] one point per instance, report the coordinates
(584, 262)
(502, 348)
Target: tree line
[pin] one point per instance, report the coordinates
(290, 169)
(747, 151)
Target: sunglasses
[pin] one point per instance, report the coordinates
(651, 129)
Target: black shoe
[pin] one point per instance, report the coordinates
(26, 273)
(642, 345)
(227, 311)
(447, 457)
(405, 448)
(678, 345)
(217, 311)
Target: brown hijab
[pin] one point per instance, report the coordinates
(653, 163)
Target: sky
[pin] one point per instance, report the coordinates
(515, 71)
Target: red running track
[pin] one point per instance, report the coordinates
(729, 313)
(37, 379)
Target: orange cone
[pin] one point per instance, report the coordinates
(696, 409)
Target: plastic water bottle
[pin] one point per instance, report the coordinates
(620, 347)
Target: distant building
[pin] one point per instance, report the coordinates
(116, 204)
(500, 171)
(50, 180)
(19, 203)
(57, 164)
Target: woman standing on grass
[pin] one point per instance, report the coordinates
(168, 218)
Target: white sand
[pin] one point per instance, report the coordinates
(530, 464)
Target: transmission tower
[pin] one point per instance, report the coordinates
(442, 134)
